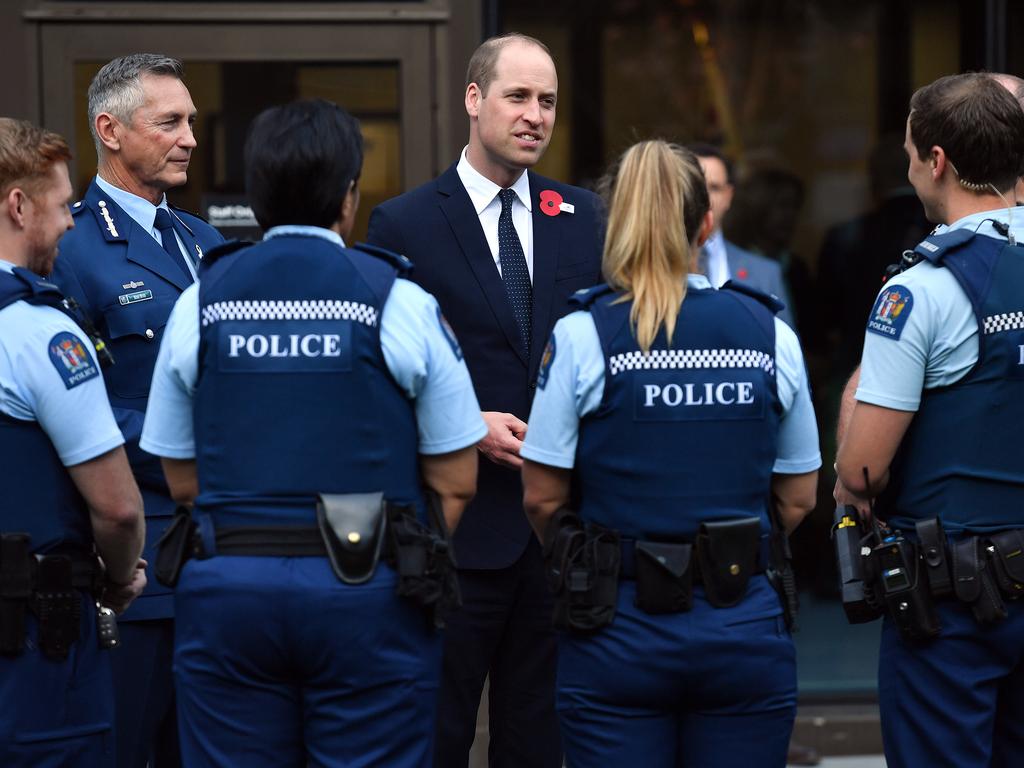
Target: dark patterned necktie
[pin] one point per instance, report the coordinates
(514, 272)
(165, 227)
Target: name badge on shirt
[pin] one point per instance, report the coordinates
(132, 298)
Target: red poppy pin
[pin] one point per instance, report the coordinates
(552, 204)
(742, 273)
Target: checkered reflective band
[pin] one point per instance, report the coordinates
(320, 309)
(692, 358)
(1008, 321)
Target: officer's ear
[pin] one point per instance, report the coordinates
(706, 225)
(14, 204)
(106, 126)
(349, 208)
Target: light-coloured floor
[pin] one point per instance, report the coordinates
(853, 761)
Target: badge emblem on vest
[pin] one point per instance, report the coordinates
(892, 308)
(72, 360)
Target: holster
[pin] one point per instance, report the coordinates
(424, 559)
(973, 582)
(583, 571)
(1007, 558)
(15, 590)
(664, 577)
(352, 526)
(933, 553)
(57, 606)
(727, 552)
(174, 548)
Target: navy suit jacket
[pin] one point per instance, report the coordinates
(437, 228)
(126, 284)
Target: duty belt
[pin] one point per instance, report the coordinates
(628, 549)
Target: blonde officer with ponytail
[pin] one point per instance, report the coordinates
(684, 413)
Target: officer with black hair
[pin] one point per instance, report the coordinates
(930, 430)
(305, 396)
(68, 492)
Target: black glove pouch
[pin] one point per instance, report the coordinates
(174, 548)
(352, 526)
(664, 578)
(1007, 558)
(727, 552)
(58, 607)
(973, 582)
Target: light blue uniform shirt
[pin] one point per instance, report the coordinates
(938, 343)
(143, 213)
(34, 382)
(416, 351)
(575, 387)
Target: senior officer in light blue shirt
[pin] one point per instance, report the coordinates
(683, 412)
(930, 431)
(301, 381)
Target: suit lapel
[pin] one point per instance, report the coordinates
(188, 238)
(458, 210)
(546, 244)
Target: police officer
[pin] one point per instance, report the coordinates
(683, 411)
(931, 427)
(300, 369)
(67, 489)
(128, 259)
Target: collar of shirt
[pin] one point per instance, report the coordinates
(6, 266)
(304, 230)
(139, 209)
(718, 261)
(981, 222)
(482, 191)
(697, 281)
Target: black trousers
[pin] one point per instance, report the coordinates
(503, 629)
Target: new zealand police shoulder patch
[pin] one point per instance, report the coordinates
(891, 310)
(449, 334)
(72, 359)
(545, 362)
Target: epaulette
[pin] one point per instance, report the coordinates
(769, 300)
(77, 207)
(397, 260)
(937, 247)
(584, 297)
(221, 250)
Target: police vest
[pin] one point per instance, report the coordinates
(684, 434)
(961, 458)
(40, 498)
(293, 396)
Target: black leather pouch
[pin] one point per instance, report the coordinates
(727, 552)
(1007, 558)
(973, 582)
(174, 548)
(352, 526)
(664, 578)
(15, 590)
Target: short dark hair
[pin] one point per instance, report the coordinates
(979, 125)
(300, 159)
(705, 150)
(484, 61)
(27, 153)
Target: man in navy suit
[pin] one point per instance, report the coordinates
(725, 260)
(126, 262)
(502, 249)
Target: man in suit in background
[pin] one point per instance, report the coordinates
(502, 249)
(727, 261)
(126, 262)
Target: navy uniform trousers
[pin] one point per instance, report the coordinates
(292, 658)
(957, 700)
(57, 714)
(709, 688)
